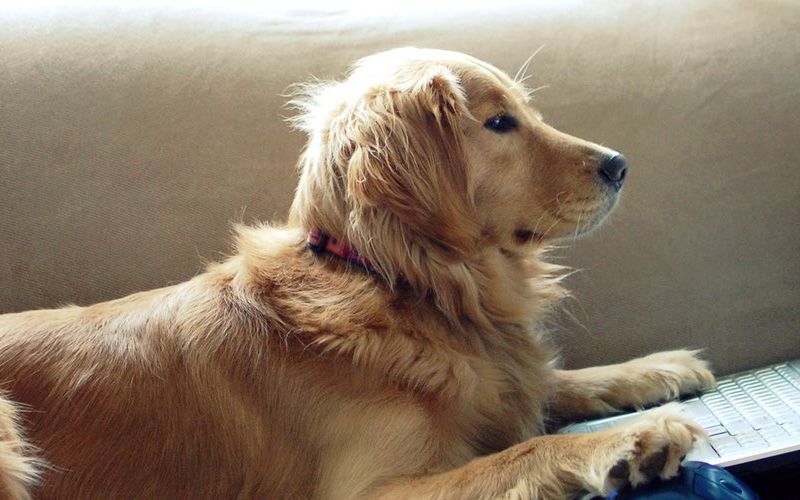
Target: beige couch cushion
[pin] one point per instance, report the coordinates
(131, 137)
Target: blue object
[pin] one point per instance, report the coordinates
(696, 480)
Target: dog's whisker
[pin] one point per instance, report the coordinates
(577, 227)
(539, 220)
(524, 68)
(555, 216)
(572, 316)
(558, 201)
(536, 225)
(550, 228)
(554, 224)
(530, 92)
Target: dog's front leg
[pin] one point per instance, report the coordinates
(562, 466)
(601, 390)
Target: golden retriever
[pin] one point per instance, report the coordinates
(401, 358)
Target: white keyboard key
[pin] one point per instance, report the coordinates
(771, 379)
(746, 437)
(794, 405)
(787, 372)
(774, 434)
(792, 429)
(712, 399)
(737, 426)
(697, 411)
(694, 407)
(740, 400)
(706, 422)
(760, 421)
(702, 452)
(783, 387)
(751, 385)
(716, 429)
(722, 410)
(731, 390)
(784, 415)
(724, 443)
(749, 409)
(751, 440)
(794, 418)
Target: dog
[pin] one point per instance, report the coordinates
(385, 342)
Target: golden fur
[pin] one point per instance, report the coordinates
(281, 373)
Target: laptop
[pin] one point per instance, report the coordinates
(752, 419)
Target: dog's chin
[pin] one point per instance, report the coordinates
(598, 217)
(564, 231)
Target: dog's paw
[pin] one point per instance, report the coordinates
(650, 446)
(674, 373)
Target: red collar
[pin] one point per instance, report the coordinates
(319, 241)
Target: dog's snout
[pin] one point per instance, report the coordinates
(612, 170)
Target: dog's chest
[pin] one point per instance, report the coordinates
(496, 397)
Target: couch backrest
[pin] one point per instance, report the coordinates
(130, 137)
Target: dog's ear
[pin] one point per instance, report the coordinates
(405, 155)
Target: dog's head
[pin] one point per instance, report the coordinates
(443, 155)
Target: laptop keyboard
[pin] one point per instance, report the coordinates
(748, 413)
(755, 410)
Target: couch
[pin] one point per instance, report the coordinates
(131, 136)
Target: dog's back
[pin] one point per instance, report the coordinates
(200, 390)
(134, 396)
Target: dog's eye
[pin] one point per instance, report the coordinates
(501, 123)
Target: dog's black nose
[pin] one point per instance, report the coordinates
(612, 170)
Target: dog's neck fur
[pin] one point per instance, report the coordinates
(490, 289)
